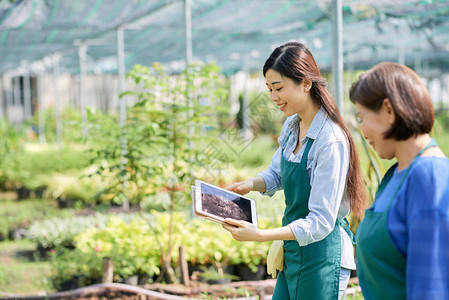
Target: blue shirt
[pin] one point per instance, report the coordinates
(418, 223)
(327, 166)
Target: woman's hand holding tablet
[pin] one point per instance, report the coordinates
(217, 204)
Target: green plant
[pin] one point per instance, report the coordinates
(20, 215)
(134, 243)
(70, 121)
(374, 169)
(74, 265)
(57, 232)
(77, 187)
(9, 143)
(153, 151)
(206, 244)
(215, 273)
(129, 244)
(32, 165)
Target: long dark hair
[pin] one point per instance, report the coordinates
(295, 61)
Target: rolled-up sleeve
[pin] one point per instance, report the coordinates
(328, 183)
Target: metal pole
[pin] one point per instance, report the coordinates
(41, 113)
(27, 92)
(188, 58)
(245, 98)
(121, 73)
(418, 64)
(188, 31)
(8, 95)
(17, 106)
(56, 73)
(401, 55)
(122, 102)
(337, 53)
(2, 98)
(16, 89)
(82, 56)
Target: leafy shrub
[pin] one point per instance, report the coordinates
(77, 187)
(131, 245)
(74, 268)
(136, 246)
(8, 143)
(58, 233)
(20, 215)
(32, 167)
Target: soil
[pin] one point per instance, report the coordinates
(216, 205)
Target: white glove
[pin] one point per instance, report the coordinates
(275, 258)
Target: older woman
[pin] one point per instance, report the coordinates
(403, 242)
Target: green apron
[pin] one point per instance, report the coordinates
(313, 271)
(381, 267)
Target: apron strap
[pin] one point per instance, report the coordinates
(386, 179)
(432, 143)
(391, 170)
(306, 151)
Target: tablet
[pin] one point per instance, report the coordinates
(217, 204)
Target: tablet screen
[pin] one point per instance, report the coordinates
(224, 204)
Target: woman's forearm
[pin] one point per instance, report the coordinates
(281, 233)
(258, 184)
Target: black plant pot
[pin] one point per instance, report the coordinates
(16, 234)
(39, 192)
(65, 202)
(23, 193)
(145, 278)
(70, 284)
(246, 274)
(76, 282)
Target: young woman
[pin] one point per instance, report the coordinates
(317, 166)
(403, 241)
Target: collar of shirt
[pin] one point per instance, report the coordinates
(316, 126)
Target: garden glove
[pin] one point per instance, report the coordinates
(275, 258)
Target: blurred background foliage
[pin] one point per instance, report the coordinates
(62, 204)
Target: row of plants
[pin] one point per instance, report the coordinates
(16, 218)
(31, 166)
(136, 243)
(164, 144)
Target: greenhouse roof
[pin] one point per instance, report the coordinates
(231, 32)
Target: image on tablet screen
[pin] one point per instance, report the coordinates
(225, 205)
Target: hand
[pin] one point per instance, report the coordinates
(242, 187)
(242, 230)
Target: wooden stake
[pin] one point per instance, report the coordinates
(108, 270)
(184, 268)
